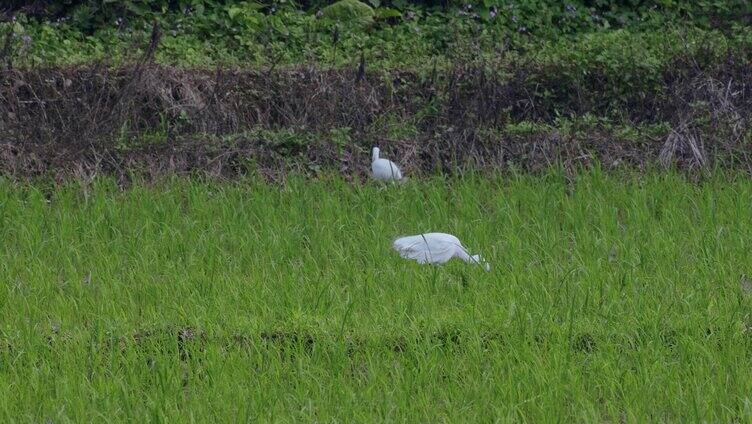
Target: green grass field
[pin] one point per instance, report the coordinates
(611, 299)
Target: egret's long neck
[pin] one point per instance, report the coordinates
(462, 254)
(471, 259)
(375, 153)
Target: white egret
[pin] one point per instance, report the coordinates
(435, 248)
(384, 169)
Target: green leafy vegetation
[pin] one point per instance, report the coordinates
(207, 33)
(611, 298)
(349, 11)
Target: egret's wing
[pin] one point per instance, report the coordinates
(394, 171)
(386, 170)
(417, 248)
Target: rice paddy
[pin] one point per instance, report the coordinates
(611, 298)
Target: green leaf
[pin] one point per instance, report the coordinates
(252, 5)
(137, 9)
(279, 26)
(386, 13)
(233, 11)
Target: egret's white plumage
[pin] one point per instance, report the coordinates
(384, 169)
(435, 248)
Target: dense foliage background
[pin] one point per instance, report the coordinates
(210, 31)
(572, 14)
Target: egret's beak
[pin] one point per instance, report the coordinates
(480, 261)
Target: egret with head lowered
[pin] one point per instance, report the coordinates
(384, 169)
(435, 248)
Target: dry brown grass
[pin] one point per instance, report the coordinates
(82, 119)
